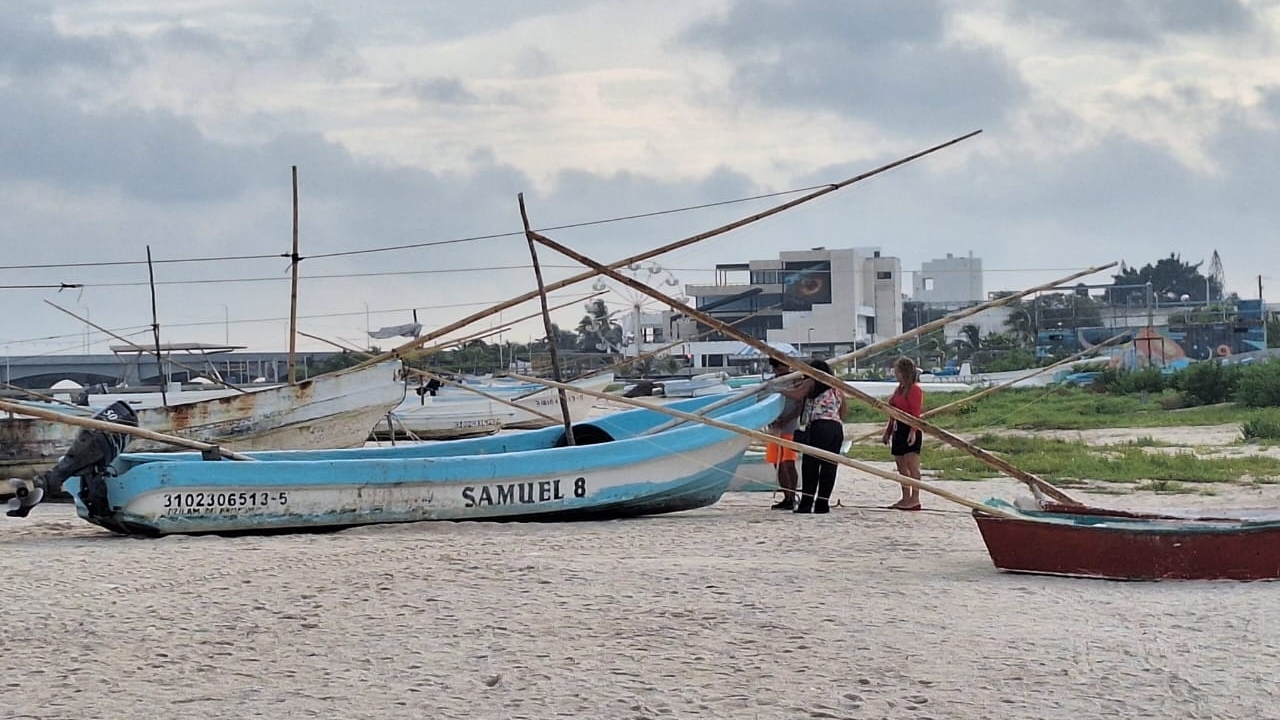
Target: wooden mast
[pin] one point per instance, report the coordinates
(546, 322)
(819, 376)
(816, 452)
(155, 332)
(293, 288)
(685, 242)
(996, 388)
(897, 339)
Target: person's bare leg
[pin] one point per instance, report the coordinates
(913, 471)
(788, 478)
(900, 462)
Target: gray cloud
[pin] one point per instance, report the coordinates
(1139, 21)
(442, 90)
(31, 44)
(886, 62)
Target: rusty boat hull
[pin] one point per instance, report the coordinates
(1118, 545)
(337, 410)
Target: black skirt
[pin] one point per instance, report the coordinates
(898, 444)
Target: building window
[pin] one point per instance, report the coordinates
(928, 283)
(884, 275)
(871, 326)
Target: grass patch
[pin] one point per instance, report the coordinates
(1263, 426)
(1067, 408)
(1062, 461)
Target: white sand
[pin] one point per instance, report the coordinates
(733, 611)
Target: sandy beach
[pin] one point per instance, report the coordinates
(732, 611)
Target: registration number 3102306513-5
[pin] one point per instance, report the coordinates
(219, 501)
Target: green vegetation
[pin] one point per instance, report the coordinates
(1061, 462)
(1262, 426)
(1063, 408)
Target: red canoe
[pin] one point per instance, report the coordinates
(1120, 545)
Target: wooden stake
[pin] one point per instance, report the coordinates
(155, 332)
(815, 452)
(111, 427)
(914, 332)
(546, 323)
(294, 260)
(817, 375)
(41, 396)
(648, 254)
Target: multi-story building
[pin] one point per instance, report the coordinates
(820, 301)
(950, 281)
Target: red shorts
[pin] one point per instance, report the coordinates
(775, 453)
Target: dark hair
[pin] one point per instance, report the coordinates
(819, 387)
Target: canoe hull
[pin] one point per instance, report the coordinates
(486, 479)
(1094, 546)
(332, 411)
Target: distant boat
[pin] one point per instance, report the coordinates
(614, 472)
(328, 411)
(696, 386)
(466, 414)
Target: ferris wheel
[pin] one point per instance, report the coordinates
(637, 303)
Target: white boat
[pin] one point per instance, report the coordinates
(335, 410)
(675, 388)
(466, 414)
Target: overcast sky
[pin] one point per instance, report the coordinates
(1112, 130)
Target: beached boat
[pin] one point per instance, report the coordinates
(463, 415)
(328, 411)
(1119, 545)
(516, 476)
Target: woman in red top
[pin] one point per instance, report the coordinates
(903, 440)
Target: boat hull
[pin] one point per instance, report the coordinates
(464, 415)
(523, 477)
(1100, 546)
(331, 411)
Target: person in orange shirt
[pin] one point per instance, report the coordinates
(904, 441)
(783, 459)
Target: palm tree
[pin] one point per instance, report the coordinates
(597, 330)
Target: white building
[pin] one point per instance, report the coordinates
(949, 281)
(821, 301)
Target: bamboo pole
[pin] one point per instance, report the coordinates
(652, 353)
(426, 351)
(819, 376)
(546, 322)
(445, 380)
(111, 427)
(294, 261)
(914, 332)
(141, 349)
(41, 396)
(815, 452)
(996, 388)
(678, 244)
(155, 331)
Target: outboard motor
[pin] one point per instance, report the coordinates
(88, 457)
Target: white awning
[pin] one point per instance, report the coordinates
(746, 352)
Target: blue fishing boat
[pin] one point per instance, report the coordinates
(616, 470)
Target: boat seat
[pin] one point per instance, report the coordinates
(586, 435)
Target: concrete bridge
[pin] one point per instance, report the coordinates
(128, 367)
